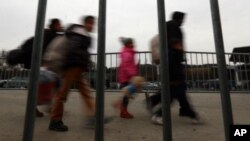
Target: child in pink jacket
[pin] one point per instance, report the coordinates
(127, 70)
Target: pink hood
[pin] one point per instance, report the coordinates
(128, 67)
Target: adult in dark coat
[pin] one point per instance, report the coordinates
(50, 33)
(176, 72)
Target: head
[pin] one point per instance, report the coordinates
(89, 22)
(128, 42)
(55, 24)
(178, 16)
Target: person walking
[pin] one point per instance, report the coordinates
(71, 57)
(176, 71)
(126, 71)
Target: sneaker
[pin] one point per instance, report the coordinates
(92, 120)
(39, 114)
(197, 121)
(157, 120)
(57, 126)
(188, 113)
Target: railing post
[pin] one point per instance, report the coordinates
(100, 71)
(219, 45)
(34, 74)
(164, 72)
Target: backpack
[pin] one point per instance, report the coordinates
(21, 55)
(15, 57)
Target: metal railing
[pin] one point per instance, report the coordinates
(167, 129)
(201, 72)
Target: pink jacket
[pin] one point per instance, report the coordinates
(128, 67)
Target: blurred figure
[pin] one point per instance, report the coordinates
(71, 57)
(53, 31)
(23, 55)
(48, 80)
(176, 71)
(126, 71)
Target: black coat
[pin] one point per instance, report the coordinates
(176, 57)
(27, 47)
(76, 48)
(174, 32)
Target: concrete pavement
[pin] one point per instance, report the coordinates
(12, 110)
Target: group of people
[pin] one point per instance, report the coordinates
(67, 56)
(128, 70)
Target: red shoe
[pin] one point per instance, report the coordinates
(125, 114)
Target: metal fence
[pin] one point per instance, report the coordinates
(201, 72)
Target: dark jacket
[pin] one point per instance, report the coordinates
(78, 43)
(27, 47)
(176, 57)
(174, 32)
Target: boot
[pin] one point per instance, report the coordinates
(124, 113)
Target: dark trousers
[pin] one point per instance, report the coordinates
(177, 92)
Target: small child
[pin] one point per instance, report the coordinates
(46, 88)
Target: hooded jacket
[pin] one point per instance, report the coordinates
(128, 67)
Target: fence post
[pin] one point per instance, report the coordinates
(100, 71)
(34, 74)
(222, 69)
(164, 72)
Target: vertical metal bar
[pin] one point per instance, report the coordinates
(209, 69)
(111, 74)
(116, 69)
(230, 73)
(139, 63)
(248, 72)
(164, 72)
(203, 70)
(34, 74)
(99, 135)
(219, 45)
(197, 70)
(146, 74)
(246, 75)
(192, 70)
(186, 69)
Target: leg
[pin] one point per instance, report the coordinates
(61, 95)
(85, 92)
(185, 107)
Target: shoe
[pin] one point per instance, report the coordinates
(125, 114)
(57, 126)
(197, 121)
(91, 121)
(195, 118)
(38, 113)
(188, 113)
(157, 120)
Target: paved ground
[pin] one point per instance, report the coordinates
(12, 109)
